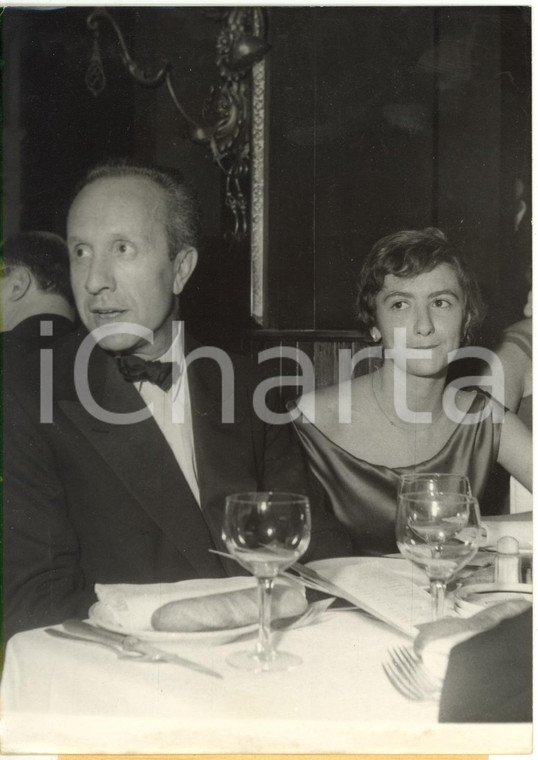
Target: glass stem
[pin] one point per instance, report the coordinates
(264, 650)
(437, 592)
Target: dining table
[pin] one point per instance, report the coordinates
(66, 696)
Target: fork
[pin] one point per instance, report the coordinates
(409, 676)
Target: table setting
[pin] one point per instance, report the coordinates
(337, 655)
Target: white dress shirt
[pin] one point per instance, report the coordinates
(179, 435)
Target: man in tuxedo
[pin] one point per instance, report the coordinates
(102, 484)
(37, 302)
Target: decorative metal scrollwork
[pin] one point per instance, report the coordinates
(226, 129)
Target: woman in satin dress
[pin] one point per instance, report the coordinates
(418, 303)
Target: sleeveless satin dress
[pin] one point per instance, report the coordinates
(363, 495)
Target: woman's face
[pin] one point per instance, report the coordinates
(430, 311)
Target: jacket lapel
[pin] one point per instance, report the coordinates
(141, 458)
(224, 452)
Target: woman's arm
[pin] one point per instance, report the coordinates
(517, 368)
(515, 450)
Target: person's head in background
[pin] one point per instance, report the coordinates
(132, 235)
(35, 278)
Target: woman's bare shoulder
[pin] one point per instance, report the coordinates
(324, 405)
(312, 404)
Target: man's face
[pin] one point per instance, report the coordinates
(121, 269)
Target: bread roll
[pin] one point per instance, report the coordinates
(223, 611)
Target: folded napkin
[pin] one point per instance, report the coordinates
(132, 606)
(435, 640)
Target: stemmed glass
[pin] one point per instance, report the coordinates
(434, 482)
(266, 532)
(439, 532)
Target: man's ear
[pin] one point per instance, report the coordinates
(184, 265)
(18, 282)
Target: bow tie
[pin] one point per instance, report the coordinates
(135, 369)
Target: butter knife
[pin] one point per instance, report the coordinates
(120, 642)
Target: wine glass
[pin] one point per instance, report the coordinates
(266, 532)
(434, 482)
(439, 532)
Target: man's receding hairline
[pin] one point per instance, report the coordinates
(121, 178)
(162, 195)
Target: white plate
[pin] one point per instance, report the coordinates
(98, 615)
(474, 598)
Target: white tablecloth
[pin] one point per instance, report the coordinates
(62, 696)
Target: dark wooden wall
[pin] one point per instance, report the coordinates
(394, 118)
(53, 127)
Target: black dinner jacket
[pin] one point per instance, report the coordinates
(26, 336)
(88, 501)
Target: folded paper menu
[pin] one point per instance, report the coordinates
(382, 592)
(194, 605)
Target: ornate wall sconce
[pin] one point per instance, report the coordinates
(240, 45)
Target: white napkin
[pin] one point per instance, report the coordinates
(131, 605)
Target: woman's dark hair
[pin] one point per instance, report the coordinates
(183, 210)
(407, 254)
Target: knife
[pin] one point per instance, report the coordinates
(120, 642)
(319, 583)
